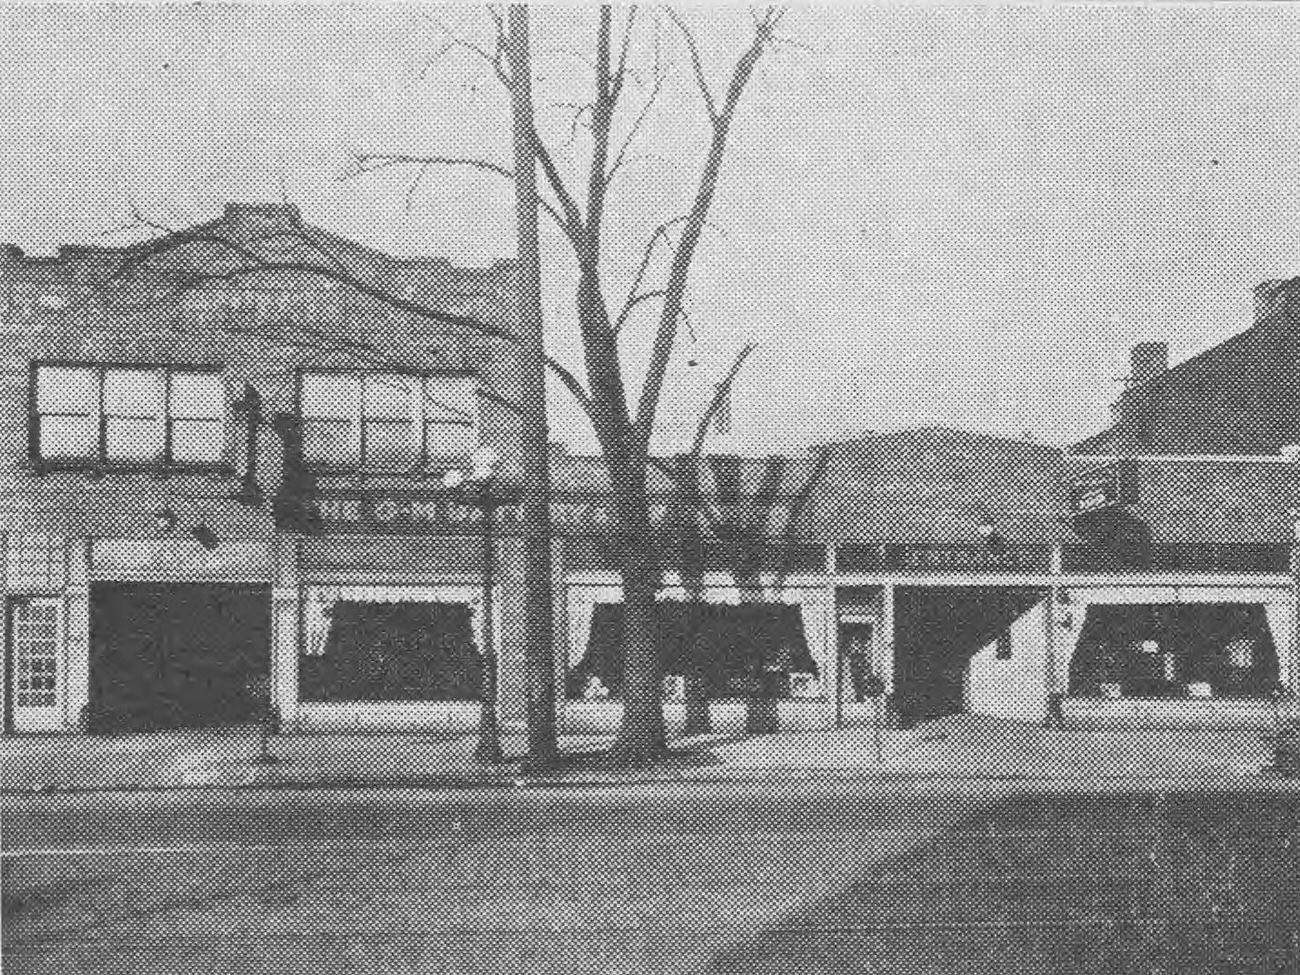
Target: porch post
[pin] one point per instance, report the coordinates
(832, 676)
(286, 629)
(884, 664)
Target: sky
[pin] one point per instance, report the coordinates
(929, 214)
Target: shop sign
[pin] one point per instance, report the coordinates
(1105, 487)
(964, 558)
(424, 514)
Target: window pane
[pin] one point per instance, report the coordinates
(330, 442)
(450, 440)
(388, 397)
(133, 439)
(391, 444)
(197, 441)
(69, 437)
(450, 399)
(198, 396)
(66, 390)
(330, 396)
(132, 392)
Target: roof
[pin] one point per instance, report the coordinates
(924, 485)
(1243, 375)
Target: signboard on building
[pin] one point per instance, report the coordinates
(431, 514)
(1104, 487)
(944, 558)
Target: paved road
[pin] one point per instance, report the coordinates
(814, 877)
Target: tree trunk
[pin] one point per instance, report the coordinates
(641, 737)
(698, 721)
(539, 605)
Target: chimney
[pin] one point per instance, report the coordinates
(1275, 297)
(1147, 360)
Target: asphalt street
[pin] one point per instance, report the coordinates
(736, 878)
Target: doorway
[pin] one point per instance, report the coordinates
(176, 656)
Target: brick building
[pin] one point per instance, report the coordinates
(1182, 576)
(166, 419)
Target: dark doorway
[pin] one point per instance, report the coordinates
(936, 632)
(176, 656)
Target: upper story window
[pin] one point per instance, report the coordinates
(386, 421)
(128, 415)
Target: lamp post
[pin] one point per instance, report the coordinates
(475, 487)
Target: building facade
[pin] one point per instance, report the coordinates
(1179, 591)
(171, 410)
(223, 452)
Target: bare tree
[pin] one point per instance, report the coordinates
(624, 425)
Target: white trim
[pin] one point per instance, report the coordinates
(1186, 458)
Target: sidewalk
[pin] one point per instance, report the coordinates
(960, 747)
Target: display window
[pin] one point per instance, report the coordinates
(366, 649)
(1199, 650)
(736, 650)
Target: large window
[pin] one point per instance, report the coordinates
(1178, 650)
(128, 415)
(739, 650)
(363, 650)
(388, 421)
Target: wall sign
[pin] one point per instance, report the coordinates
(431, 514)
(1105, 487)
(945, 558)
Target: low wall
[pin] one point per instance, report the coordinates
(1083, 712)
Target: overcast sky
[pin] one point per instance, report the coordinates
(929, 215)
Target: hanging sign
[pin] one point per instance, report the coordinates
(1108, 486)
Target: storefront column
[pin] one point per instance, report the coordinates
(884, 665)
(286, 616)
(1292, 670)
(76, 615)
(1051, 626)
(833, 664)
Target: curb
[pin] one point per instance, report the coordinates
(1266, 779)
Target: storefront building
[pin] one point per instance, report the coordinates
(158, 444)
(229, 499)
(1179, 589)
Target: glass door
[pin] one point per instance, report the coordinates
(35, 642)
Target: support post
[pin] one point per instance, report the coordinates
(488, 751)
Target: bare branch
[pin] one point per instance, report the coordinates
(573, 225)
(720, 395)
(620, 72)
(370, 162)
(621, 156)
(631, 304)
(255, 265)
(364, 163)
(496, 60)
(679, 272)
(696, 64)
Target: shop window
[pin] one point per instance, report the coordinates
(35, 635)
(1175, 651)
(737, 650)
(128, 415)
(390, 651)
(386, 421)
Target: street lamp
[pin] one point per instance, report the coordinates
(475, 487)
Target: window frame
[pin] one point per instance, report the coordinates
(424, 460)
(100, 459)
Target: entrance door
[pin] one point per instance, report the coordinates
(176, 656)
(35, 641)
(857, 653)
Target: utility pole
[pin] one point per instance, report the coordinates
(539, 607)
